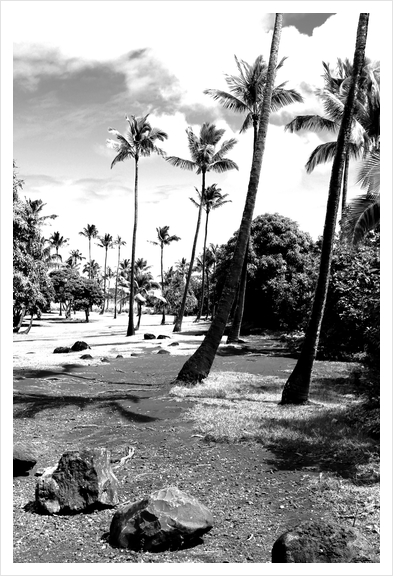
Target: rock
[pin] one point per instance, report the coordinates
(165, 520)
(163, 351)
(174, 344)
(149, 337)
(79, 346)
(61, 350)
(119, 356)
(81, 480)
(320, 542)
(86, 357)
(105, 360)
(25, 459)
(162, 337)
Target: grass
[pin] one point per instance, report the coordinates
(238, 407)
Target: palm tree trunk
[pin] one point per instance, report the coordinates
(89, 258)
(131, 328)
(117, 282)
(296, 389)
(179, 318)
(162, 283)
(29, 326)
(203, 269)
(198, 365)
(344, 190)
(234, 333)
(208, 295)
(103, 305)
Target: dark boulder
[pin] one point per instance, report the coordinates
(163, 351)
(25, 458)
(86, 357)
(149, 336)
(174, 344)
(105, 360)
(321, 542)
(166, 520)
(61, 350)
(81, 480)
(120, 356)
(162, 337)
(79, 346)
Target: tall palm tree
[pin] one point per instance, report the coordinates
(92, 269)
(75, 257)
(57, 241)
(245, 96)
(139, 140)
(365, 129)
(204, 158)
(198, 365)
(106, 242)
(213, 200)
(89, 232)
(109, 274)
(164, 239)
(119, 243)
(144, 283)
(296, 389)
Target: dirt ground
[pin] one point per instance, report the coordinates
(63, 403)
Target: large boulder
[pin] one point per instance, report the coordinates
(320, 542)
(25, 459)
(81, 480)
(165, 520)
(79, 346)
(149, 336)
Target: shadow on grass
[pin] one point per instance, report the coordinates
(326, 441)
(32, 404)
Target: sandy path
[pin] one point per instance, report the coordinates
(105, 336)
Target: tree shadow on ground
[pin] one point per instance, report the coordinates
(33, 404)
(324, 441)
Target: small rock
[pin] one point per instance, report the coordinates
(79, 346)
(105, 360)
(165, 520)
(319, 542)
(86, 357)
(149, 337)
(174, 344)
(163, 351)
(119, 356)
(162, 337)
(25, 459)
(61, 350)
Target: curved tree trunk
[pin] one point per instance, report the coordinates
(200, 311)
(207, 295)
(296, 389)
(344, 190)
(180, 315)
(131, 328)
(234, 333)
(199, 364)
(29, 326)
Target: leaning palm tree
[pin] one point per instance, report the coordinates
(245, 96)
(119, 243)
(106, 242)
(198, 365)
(296, 389)
(204, 158)
(89, 232)
(164, 239)
(139, 140)
(213, 200)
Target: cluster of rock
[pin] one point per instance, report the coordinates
(169, 519)
(79, 346)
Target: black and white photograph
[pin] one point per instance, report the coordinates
(200, 352)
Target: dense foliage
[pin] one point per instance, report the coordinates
(281, 273)
(75, 292)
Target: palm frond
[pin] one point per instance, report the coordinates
(363, 215)
(181, 163)
(314, 122)
(282, 97)
(123, 154)
(228, 101)
(223, 165)
(370, 173)
(123, 140)
(224, 149)
(322, 154)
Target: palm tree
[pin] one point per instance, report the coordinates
(57, 241)
(245, 96)
(198, 365)
(144, 283)
(75, 256)
(296, 389)
(106, 242)
(213, 200)
(89, 232)
(109, 274)
(204, 158)
(92, 269)
(164, 239)
(139, 140)
(365, 129)
(119, 243)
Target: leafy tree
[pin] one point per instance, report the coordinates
(204, 158)
(106, 242)
(139, 140)
(296, 389)
(164, 239)
(198, 365)
(75, 291)
(89, 232)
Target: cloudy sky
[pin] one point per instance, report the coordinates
(80, 67)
